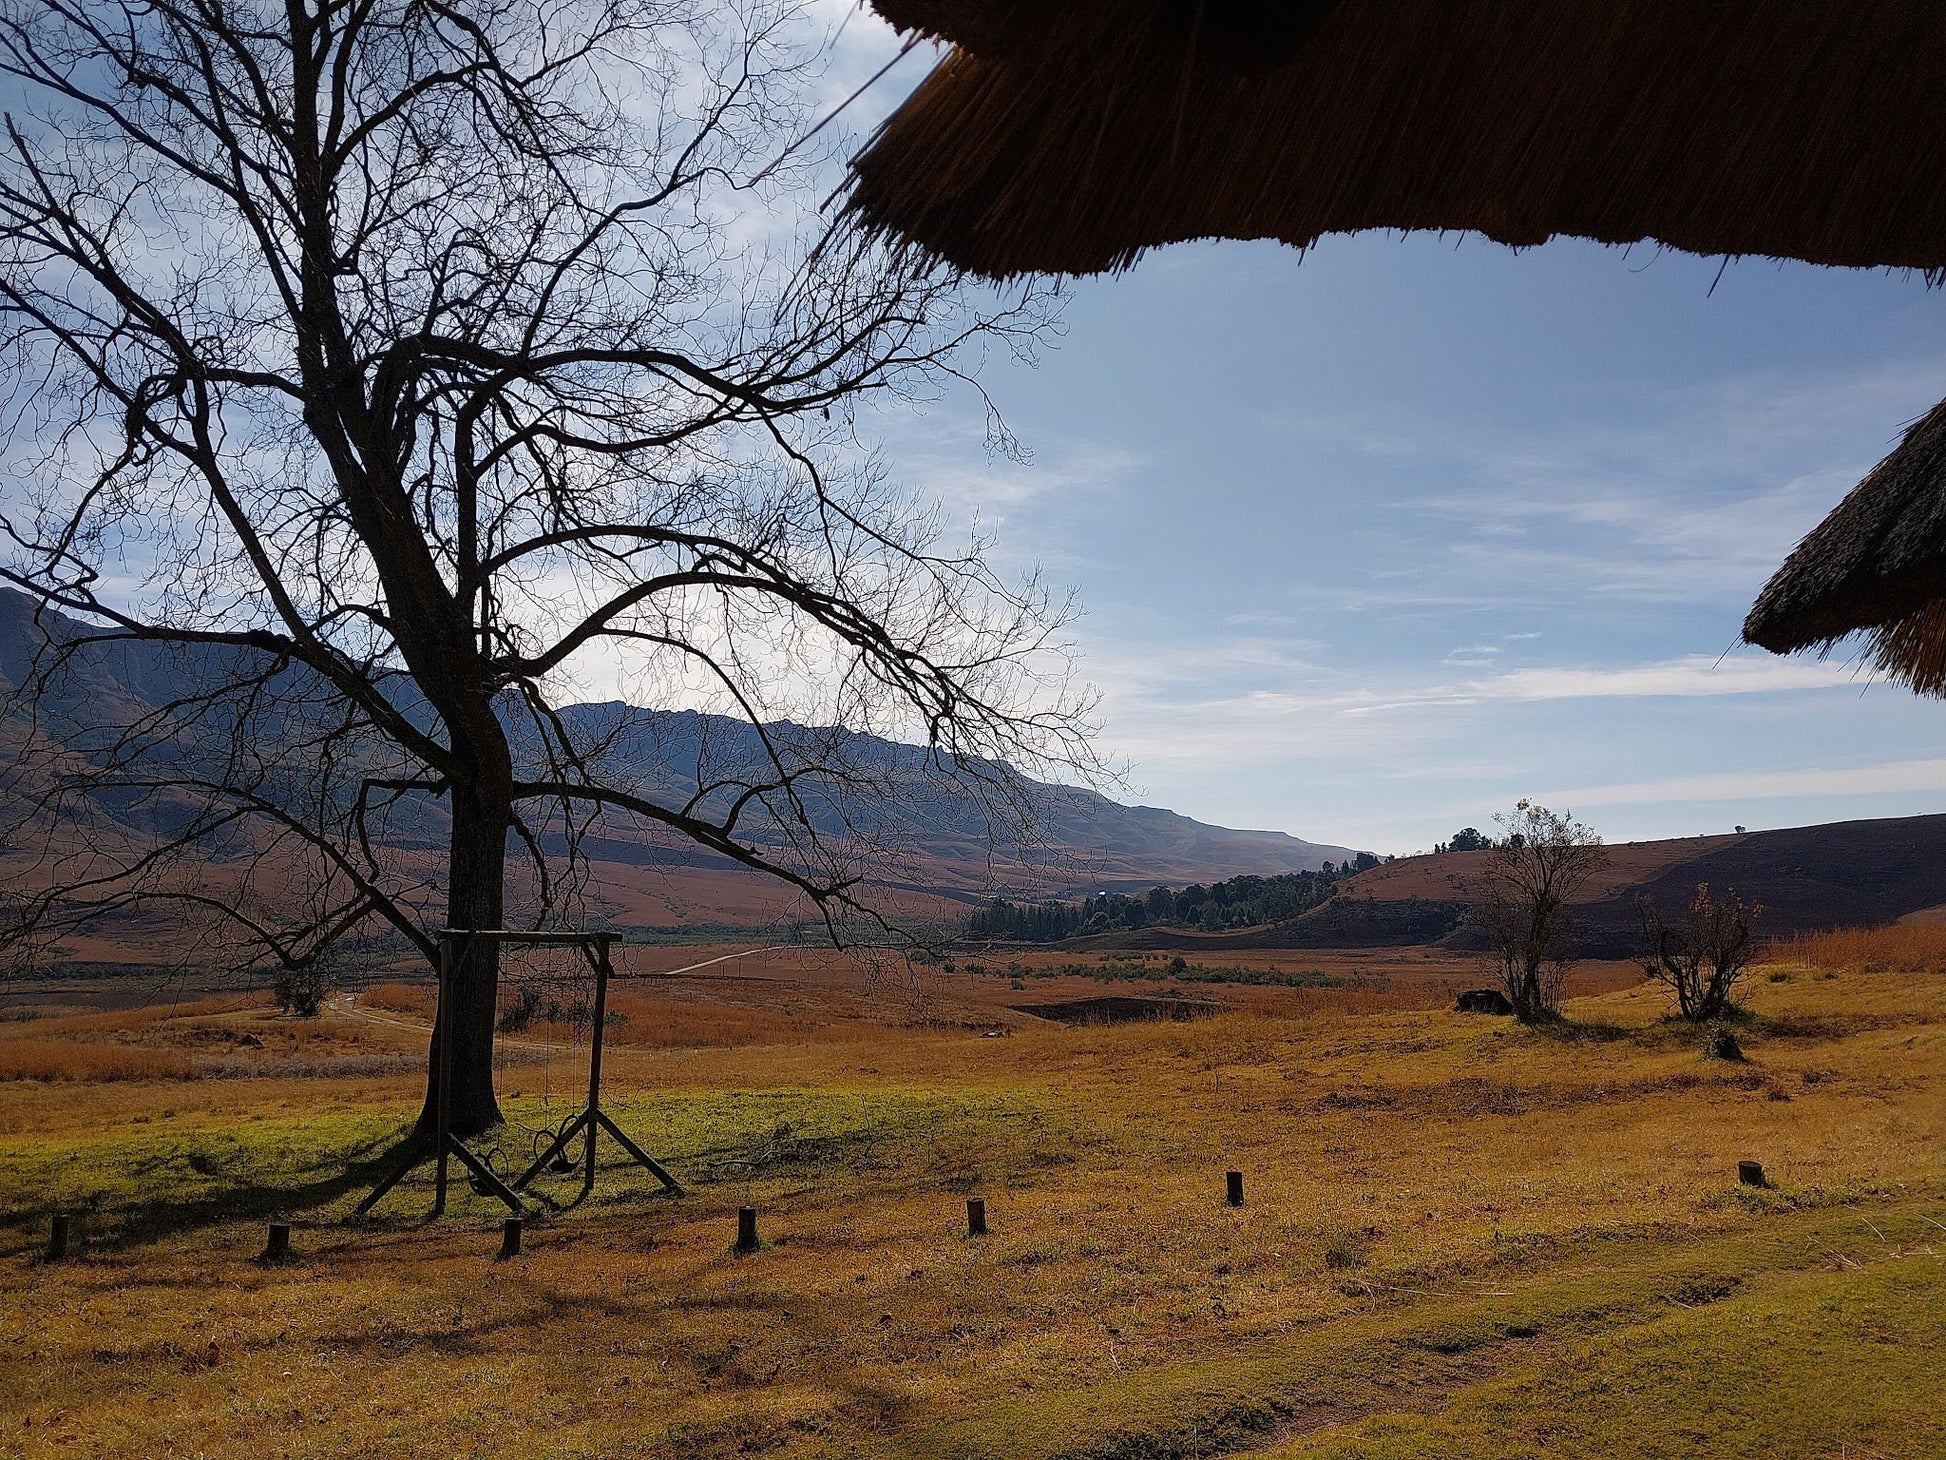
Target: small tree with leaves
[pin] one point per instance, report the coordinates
(1522, 904)
(1701, 955)
(301, 989)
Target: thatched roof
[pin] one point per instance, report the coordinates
(1070, 135)
(1877, 564)
(1245, 33)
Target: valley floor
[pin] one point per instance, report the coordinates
(1460, 1238)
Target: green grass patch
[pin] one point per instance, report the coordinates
(1626, 1338)
(1851, 1362)
(144, 1181)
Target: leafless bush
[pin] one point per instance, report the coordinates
(1522, 904)
(1702, 955)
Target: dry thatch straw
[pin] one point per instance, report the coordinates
(1877, 564)
(1068, 136)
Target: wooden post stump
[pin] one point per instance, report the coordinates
(746, 1230)
(1233, 1188)
(57, 1237)
(278, 1248)
(976, 1216)
(509, 1239)
(1751, 1173)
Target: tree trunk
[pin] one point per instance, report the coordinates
(1527, 998)
(477, 872)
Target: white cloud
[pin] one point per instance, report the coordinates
(1260, 619)
(1693, 675)
(998, 487)
(1244, 702)
(1890, 777)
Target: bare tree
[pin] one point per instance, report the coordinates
(394, 367)
(1522, 903)
(1701, 956)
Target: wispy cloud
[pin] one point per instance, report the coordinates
(997, 487)
(1667, 497)
(1340, 693)
(1888, 778)
(1688, 677)
(1259, 702)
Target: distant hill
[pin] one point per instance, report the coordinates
(1082, 842)
(1847, 873)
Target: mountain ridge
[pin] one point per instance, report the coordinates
(1084, 841)
(1809, 878)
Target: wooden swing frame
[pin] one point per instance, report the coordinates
(441, 1144)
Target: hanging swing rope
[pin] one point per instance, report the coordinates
(536, 1005)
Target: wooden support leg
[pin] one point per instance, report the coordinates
(484, 1173)
(669, 1183)
(413, 1157)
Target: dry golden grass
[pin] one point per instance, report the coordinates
(64, 1059)
(1901, 947)
(126, 1044)
(1452, 1224)
(649, 1023)
(641, 1020)
(416, 999)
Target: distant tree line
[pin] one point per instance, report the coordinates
(1241, 902)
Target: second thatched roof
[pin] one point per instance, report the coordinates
(1068, 136)
(1876, 564)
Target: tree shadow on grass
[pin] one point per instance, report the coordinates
(1669, 1032)
(245, 1196)
(1564, 1029)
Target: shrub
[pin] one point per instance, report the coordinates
(1522, 904)
(301, 992)
(520, 1010)
(1720, 1044)
(1703, 954)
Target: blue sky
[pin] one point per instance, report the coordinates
(1374, 541)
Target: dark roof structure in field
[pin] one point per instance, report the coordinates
(1068, 136)
(1876, 564)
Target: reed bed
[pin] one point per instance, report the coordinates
(1897, 948)
(50, 1060)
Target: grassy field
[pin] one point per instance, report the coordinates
(1460, 1238)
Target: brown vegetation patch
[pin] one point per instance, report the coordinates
(1906, 947)
(60, 1059)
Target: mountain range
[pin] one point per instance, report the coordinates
(946, 845)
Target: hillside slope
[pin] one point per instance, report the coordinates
(1807, 877)
(1080, 841)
